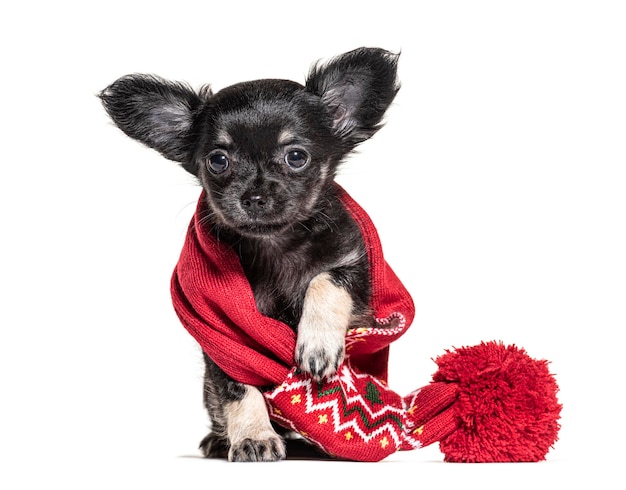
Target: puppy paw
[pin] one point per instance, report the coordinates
(320, 359)
(271, 448)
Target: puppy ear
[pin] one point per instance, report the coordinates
(357, 88)
(157, 112)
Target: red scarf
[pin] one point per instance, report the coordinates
(354, 414)
(214, 302)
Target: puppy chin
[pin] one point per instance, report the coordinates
(255, 227)
(261, 230)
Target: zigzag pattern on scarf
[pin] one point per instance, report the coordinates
(366, 418)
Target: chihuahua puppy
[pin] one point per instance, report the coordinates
(266, 153)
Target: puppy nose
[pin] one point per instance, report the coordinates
(253, 202)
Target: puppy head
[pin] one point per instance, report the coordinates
(264, 150)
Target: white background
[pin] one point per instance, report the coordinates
(497, 187)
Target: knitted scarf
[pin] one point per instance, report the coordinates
(351, 415)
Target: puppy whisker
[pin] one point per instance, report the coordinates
(305, 227)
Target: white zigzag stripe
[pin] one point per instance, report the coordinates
(333, 405)
(414, 443)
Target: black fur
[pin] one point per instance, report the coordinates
(266, 152)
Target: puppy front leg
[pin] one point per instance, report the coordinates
(240, 425)
(326, 315)
(249, 430)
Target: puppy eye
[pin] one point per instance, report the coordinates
(217, 163)
(296, 159)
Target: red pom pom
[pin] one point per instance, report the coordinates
(507, 406)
